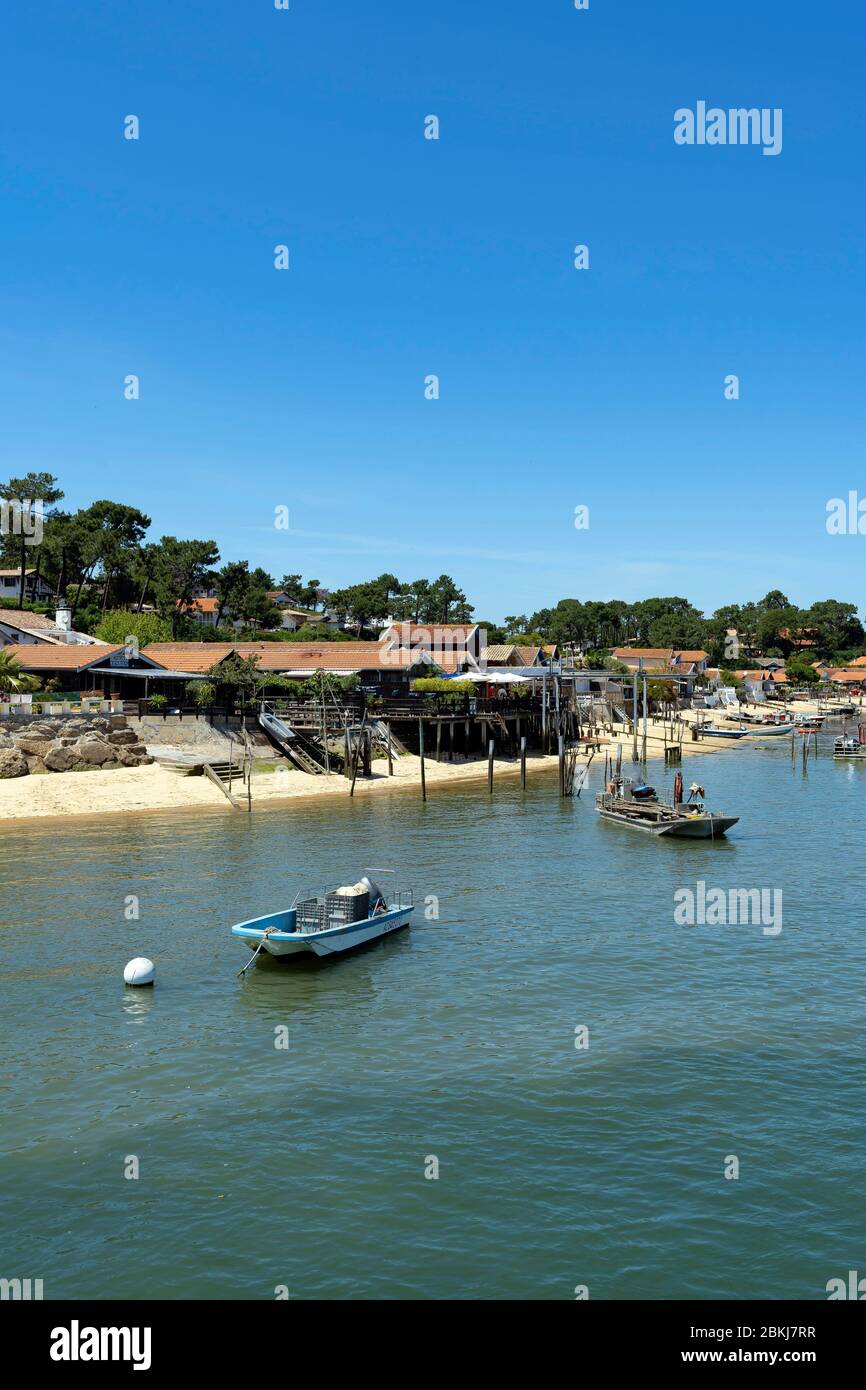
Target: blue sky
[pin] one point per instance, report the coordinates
(409, 257)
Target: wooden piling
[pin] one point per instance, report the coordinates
(561, 747)
(390, 751)
(421, 749)
(490, 747)
(523, 760)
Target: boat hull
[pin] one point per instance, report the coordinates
(710, 732)
(769, 730)
(333, 941)
(681, 828)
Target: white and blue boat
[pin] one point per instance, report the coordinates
(328, 924)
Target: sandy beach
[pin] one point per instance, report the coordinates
(155, 788)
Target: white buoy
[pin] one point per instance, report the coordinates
(140, 971)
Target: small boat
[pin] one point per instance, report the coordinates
(766, 730)
(851, 745)
(712, 731)
(329, 923)
(682, 819)
(808, 721)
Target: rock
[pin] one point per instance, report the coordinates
(41, 729)
(13, 763)
(95, 752)
(5, 740)
(36, 747)
(60, 759)
(120, 736)
(130, 758)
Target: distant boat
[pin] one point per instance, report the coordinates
(640, 809)
(768, 730)
(712, 732)
(328, 924)
(851, 745)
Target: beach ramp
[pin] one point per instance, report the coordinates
(291, 743)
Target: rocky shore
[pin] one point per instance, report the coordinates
(64, 744)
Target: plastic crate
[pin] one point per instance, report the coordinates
(340, 908)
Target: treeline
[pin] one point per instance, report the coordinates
(772, 626)
(100, 559)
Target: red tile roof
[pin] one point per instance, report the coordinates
(430, 634)
(195, 657)
(17, 617)
(200, 605)
(847, 675)
(69, 657)
(199, 657)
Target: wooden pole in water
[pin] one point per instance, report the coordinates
(523, 760)
(634, 716)
(348, 759)
(490, 747)
(325, 731)
(421, 750)
(643, 751)
(390, 752)
(359, 739)
(439, 739)
(561, 743)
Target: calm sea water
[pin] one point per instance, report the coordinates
(557, 1167)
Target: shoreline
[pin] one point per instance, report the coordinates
(59, 797)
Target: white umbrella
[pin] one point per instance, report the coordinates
(505, 678)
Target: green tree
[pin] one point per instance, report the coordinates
(232, 583)
(181, 568)
(200, 693)
(108, 535)
(118, 624)
(13, 679)
(361, 603)
(799, 670)
(33, 487)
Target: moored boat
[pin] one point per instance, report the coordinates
(681, 819)
(328, 924)
(851, 745)
(768, 730)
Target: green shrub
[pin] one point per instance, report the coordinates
(434, 685)
(117, 625)
(200, 693)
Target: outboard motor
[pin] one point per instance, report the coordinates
(374, 890)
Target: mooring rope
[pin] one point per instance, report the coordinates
(267, 932)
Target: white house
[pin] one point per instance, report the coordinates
(36, 591)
